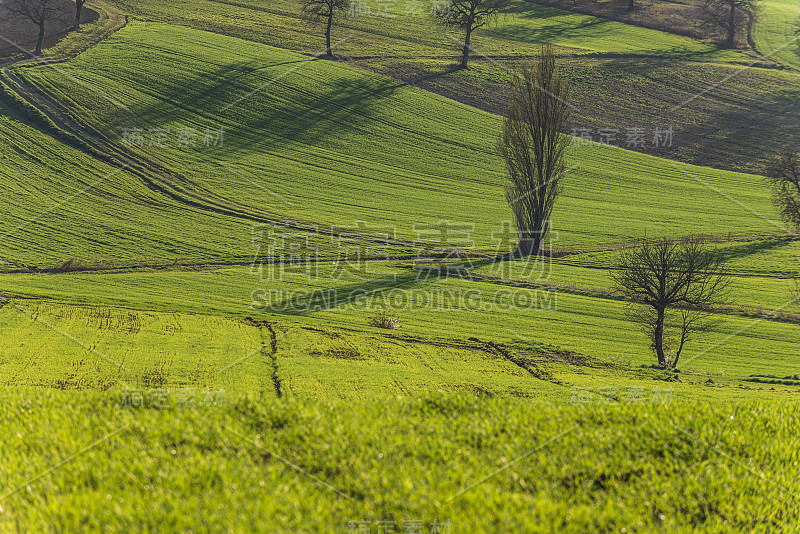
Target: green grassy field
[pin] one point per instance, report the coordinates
(395, 146)
(257, 464)
(276, 140)
(606, 62)
(64, 204)
(389, 26)
(158, 374)
(111, 347)
(581, 320)
(774, 33)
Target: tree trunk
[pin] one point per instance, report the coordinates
(41, 39)
(78, 9)
(732, 26)
(465, 52)
(675, 363)
(527, 245)
(530, 239)
(684, 337)
(328, 51)
(659, 338)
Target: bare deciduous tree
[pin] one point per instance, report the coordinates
(40, 12)
(78, 9)
(730, 16)
(325, 11)
(676, 282)
(469, 15)
(533, 146)
(784, 173)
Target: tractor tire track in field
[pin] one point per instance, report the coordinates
(270, 354)
(85, 138)
(402, 388)
(534, 371)
(154, 176)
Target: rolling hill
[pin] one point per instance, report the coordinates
(149, 177)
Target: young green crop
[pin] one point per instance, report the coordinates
(775, 32)
(394, 146)
(259, 464)
(196, 399)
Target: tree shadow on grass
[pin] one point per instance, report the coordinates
(267, 106)
(573, 26)
(744, 250)
(380, 294)
(557, 32)
(340, 108)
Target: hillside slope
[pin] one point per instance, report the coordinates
(775, 33)
(727, 111)
(394, 146)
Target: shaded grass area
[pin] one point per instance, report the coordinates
(23, 33)
(393, 28)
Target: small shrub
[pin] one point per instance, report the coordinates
(384, 320)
